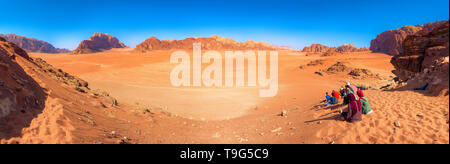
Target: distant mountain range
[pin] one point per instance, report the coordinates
(32, 45)
(208, 43)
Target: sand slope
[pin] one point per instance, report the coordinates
(399, 117)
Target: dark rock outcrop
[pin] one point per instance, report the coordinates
(97, 43)
(32, 45)
(425, 59)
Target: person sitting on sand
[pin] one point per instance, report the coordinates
(327, 97)
(335, 94)
(347, 91)
(333, 100)
(352, 88)
(353, 113)
(365, 105)
(422, 87)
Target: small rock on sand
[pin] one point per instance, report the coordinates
(283, 113)
(397, 124)
(276, 130)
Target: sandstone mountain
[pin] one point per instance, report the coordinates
(208, 43)
(32, 45)
(97, 43)
(318, 48)
(425, 59)
(390, 42)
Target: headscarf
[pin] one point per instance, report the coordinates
(349, 91)
(354, 105)
(335, 94)
(361, 95)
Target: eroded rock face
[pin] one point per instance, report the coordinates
(391, 41)
(425, 59)
(347, 48)
(318, 48)
(15, 85)
(329, 51)
(32, 45)
(7, 101)
(208, 43)
(97, 43)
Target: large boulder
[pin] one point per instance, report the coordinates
(97, 43)
(425, 59)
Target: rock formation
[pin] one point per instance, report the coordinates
(331, 51)
(32, 45)
(97, 43)
(317, 48)
(425, 59)
(347, 48)
(391, 41)
(18, 91)
(208, 43)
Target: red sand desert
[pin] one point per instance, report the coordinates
(238, 115)
(106, 92)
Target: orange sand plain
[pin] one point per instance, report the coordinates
(238, 115)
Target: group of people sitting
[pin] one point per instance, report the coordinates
(356, 106)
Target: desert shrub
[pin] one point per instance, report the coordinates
(80, 90)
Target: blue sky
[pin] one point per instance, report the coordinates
(283, 22)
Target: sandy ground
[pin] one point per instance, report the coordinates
(236, 115)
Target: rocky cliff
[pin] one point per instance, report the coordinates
(425, 59)
(391, 41)
(32, 45)
(97, 43)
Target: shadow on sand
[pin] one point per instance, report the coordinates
(427, 92)
(335, 115)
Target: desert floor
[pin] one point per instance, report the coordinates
(239, 115)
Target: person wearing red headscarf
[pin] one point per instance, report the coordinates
(365, 105)
(354, 109)
(336, 94)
